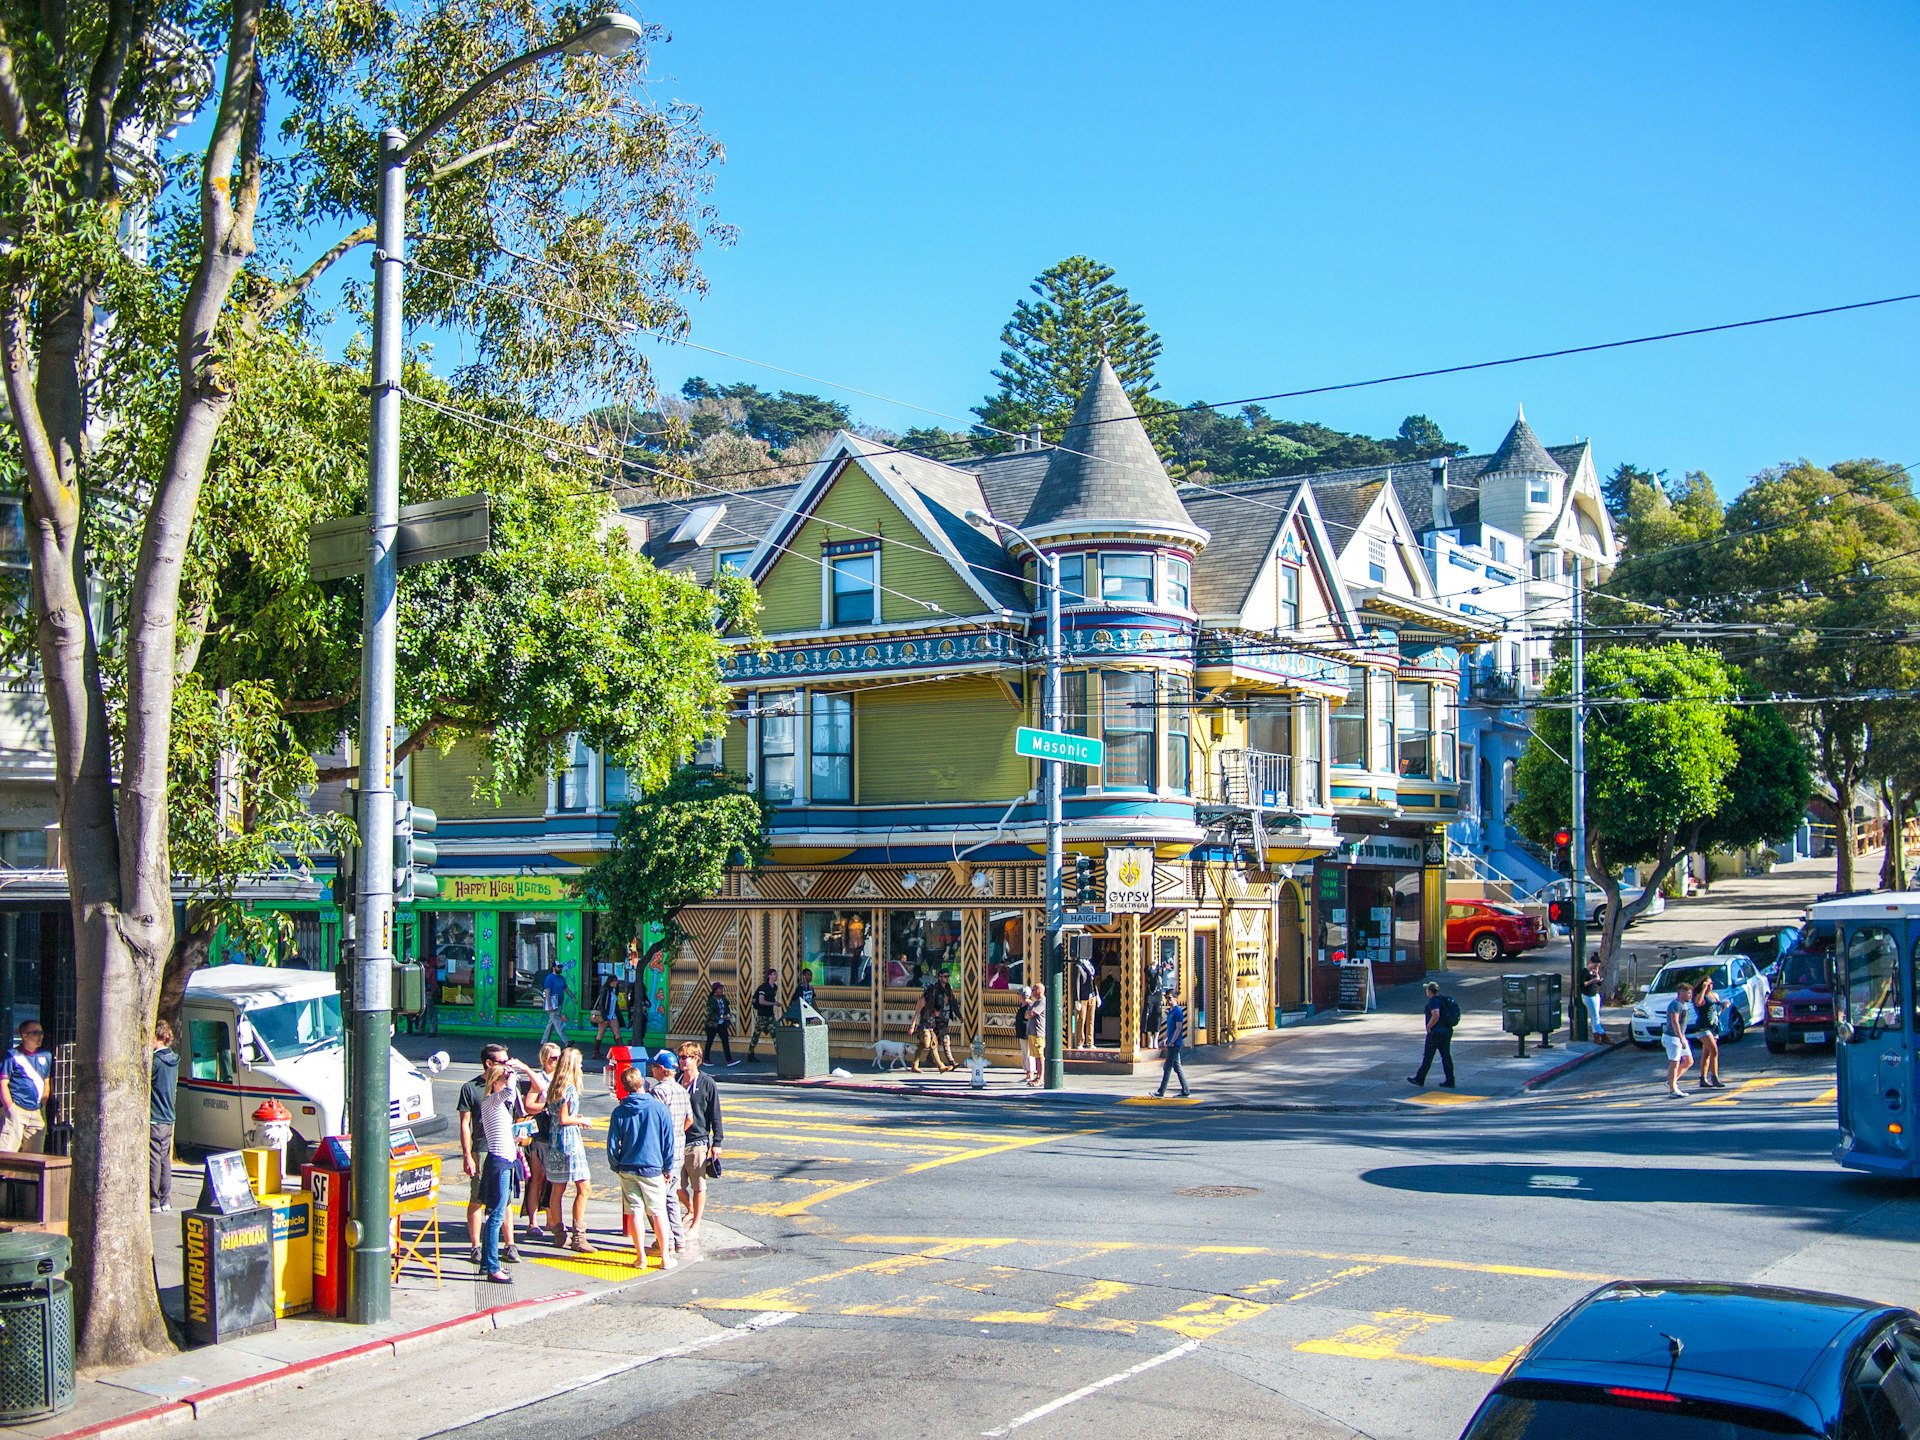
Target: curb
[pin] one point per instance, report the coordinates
(1565, 1066)
(190, 1407)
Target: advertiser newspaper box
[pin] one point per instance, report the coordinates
(229, 1274)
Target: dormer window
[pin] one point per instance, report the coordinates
(1126, 579)
(853, 583)
(732, 562)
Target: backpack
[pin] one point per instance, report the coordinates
(1449, 1011)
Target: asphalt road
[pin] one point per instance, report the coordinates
(1090, 1269)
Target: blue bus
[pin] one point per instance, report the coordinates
(1876, 963)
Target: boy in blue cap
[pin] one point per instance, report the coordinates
(639, 1150)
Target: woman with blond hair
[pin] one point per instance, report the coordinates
(535, 1199)
(567, 1151)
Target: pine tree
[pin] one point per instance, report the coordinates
(1053, 349)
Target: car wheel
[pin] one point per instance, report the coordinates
(1776, 1044)
(1736, 1025)
(1599, 917)
(1487, 947)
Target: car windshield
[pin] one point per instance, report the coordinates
(1803, 971)
(1674, 976)
(297, 1026)
(1518, 1417)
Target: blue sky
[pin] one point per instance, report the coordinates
(1308, 195)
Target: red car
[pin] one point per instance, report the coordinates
(1489, 931)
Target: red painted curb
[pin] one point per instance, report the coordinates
(190, 1404)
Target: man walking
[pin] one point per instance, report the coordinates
(766, 1000)
(1173, 1040)
(1674, 1037)
(664, 1086)
(163, 1075)
(1442, 1013)
(704, 1136)
(28, 1073)
(554, 991)
(639, 1149)
(720, 1022)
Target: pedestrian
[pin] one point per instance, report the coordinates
(1026, 1026)
(1173, 1040)
(804, 990)
(28, 1072)
(720, 1022)
(766, 1001)
(946, 1013)
(163, 1074)
(1441, 1013)
(1591, 986)
(539, 1146)
(554, 991)
(1674, 1037)
(924, 1044)
(567, 1152)
(606, 1014)
(639, 1149)
(499, 1108)
(473, 1151)
(1086, 1002)
(704, 1137)
(664, 1085)
(1708, 1007)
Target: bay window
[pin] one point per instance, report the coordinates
(1126, 720)
(777, 772)
(1306, 761)
(1414, 720)
(1178, 714)
(1126, 578)
(1073, 580)
(1380, 711)
(1350, 721)
(830, 751)
(1074, 719)
(1179, 583)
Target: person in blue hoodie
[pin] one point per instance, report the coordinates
(640, 1152)
(163, 1078)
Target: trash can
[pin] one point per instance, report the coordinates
(800, 1043)
(36, 1326)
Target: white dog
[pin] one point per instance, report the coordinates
(892, 1054)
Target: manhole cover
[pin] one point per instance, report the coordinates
(1218, 1192)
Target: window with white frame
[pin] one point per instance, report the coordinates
(1289, 597)
(1126, 579)
(1380, 712)
(615, 789)
(1546, 564)
(1126, 725)
(1350, 721)
(1540, 490)
(1178, 713)
(709, 753)
(830, 747)
(1376, 560)
(732, 562)
(571, 779)
(778, 776)
(1179, 583)
(854, 589)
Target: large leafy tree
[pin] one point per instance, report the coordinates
(1052, 348)
(1659, 752)
(557, 221)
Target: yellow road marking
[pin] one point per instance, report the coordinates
(1532, 1272)
(1825, 1097)
(1094, 1294)
(1320, 1286)
(1745, 1087)
(1203, 1319)
(885, 1265)
(1392, 1329)
(1439, 1097)
(930, 1132)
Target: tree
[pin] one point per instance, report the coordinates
(1053, 350)
(673, 846)
(1659, 755)
(1667, 541)
(1769, 786)
(1617, 490)
(559, 198)
(1421, 439)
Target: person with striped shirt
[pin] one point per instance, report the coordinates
(1173, 1039)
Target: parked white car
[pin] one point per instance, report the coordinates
(1597, 900)
(1736, 980)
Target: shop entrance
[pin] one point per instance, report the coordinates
(1289, 953)
(1200, 983)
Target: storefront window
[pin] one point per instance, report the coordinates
(1179, 733)
(831, 750)
(529, 943)
(1006, 950)
(448, 950)
(923, 945)
(777, 729)
(838, 946)
(1126, 716)
(1350, 721)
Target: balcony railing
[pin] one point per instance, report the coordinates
(1260, 780)
(1495, 685)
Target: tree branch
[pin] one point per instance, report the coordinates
(472, 157)
(103, 90)
(327, 774)
(14, 116)
(295, 288)
(320, 704)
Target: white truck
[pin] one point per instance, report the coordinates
(250, 1032)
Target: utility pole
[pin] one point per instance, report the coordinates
(1054, 778)
(1577, 1026)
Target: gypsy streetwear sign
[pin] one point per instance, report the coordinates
(505, 888)
(1129, 879)
(1057, 745)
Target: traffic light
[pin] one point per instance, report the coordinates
(1563, 850)
(1557, 912)
(414, 857)
(1083, 883)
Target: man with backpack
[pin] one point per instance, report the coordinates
(1442, 1014)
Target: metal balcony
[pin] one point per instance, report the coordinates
(1259, 780)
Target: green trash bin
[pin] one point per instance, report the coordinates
(36, 1326)
(800, 1043)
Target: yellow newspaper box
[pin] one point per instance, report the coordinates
(292, 1251)
(263, 1170)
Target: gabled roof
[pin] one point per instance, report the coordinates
(1245, 526)
(747, 515)
(1521, 453)
(1105, 470)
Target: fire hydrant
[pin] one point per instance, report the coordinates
(977, 1063)
(273, 1125)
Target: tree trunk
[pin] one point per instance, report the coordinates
(1843, 832)
(190, 950)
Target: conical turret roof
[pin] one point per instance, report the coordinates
(1521, 453)
(1106, 470)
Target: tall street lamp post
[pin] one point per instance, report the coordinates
(1052, 775)
(371, 997)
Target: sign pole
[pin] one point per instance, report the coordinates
(1053, 775)
(1577, 1027)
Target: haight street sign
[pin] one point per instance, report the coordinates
(1056, 745)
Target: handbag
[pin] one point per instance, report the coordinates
(713, 1167)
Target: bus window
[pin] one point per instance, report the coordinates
(1873, 982)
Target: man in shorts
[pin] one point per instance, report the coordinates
(639, 1150)
(1674, 1037)
(663, 1085)
(704, 1136)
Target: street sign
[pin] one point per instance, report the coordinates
(436, 530)
(1057, 745)
(1086, 917)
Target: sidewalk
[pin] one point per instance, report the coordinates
(180, 1387)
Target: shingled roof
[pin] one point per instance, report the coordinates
(1106, 468)
(1245, 523)
(1521, 453)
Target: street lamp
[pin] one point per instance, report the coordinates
(1047, 565)
(371, 996)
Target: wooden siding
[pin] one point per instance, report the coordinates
(853, 506)
(444, 784)
(733, 747)
(951, 740)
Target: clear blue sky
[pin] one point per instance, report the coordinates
(1301, 195)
